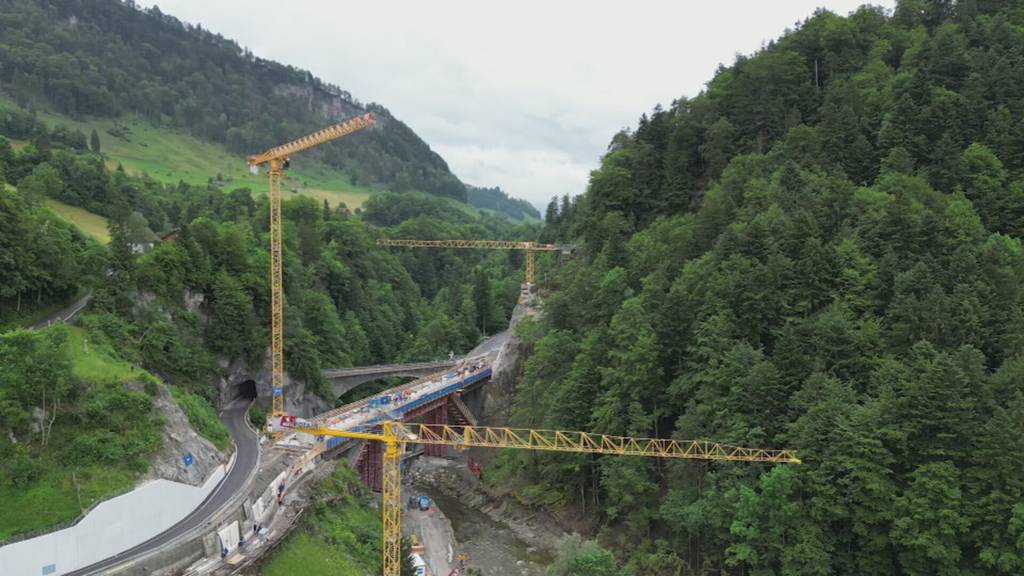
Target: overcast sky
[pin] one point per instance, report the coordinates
(519, 94)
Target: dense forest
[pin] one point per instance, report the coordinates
(111, 58)
(820, 252)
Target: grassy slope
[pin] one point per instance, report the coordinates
(202, 416)
(96, 363)
(93, 225)
(339, 538)
(169, 156)
(54, 497)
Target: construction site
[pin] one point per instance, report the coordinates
(253, 501)
(381, 289)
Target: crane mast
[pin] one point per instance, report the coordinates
(277, 159)
(395, 435)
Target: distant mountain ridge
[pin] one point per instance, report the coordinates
(499, 201)
(109, 58)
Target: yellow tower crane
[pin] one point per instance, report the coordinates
(395, 435)
(277, 158)
(530, 247)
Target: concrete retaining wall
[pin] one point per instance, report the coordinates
(175, 559)
(115, 525)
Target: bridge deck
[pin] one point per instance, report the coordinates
(388, 368)
(368, 412)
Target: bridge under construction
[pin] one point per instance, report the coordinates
(378, 430)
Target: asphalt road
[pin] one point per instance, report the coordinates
(234, 417)
(492, 344)
(246, 444)
(64, 315)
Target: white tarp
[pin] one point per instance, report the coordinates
(229, 537)
(258, 509)
(112, 527)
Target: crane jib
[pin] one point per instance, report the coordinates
(315, 139)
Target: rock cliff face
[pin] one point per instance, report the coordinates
(298, 399)
(236, 375)
(330, 107)
(178, 438)
(498, 395)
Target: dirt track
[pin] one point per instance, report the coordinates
(433, 530)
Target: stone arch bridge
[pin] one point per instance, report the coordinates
(344, 379)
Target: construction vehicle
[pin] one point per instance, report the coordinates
(279, 159)
(395, 435)
(419, 567)
(531, 249)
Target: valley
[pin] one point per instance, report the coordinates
(771, 325)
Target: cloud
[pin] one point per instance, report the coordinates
(518, 168)
(524, 95)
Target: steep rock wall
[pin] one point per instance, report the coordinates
(507, 367)
(178, 439)
(299, 400)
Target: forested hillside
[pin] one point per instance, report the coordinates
(819, 252)
(352, 302)
(186, 307)
(110, 59)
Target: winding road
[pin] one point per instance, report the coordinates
(65, 314)
(246, 460)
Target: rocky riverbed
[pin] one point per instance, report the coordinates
(489, 546)
(499, 538)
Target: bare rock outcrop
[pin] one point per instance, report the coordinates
(299, 399)
(498, 395)
(178, 439)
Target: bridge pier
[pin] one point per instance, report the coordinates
(370, 465)
(438, 415)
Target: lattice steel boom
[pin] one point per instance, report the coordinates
(343, 128)
(277, 158)
(395, 435)
(585, 442)
(530, 247)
